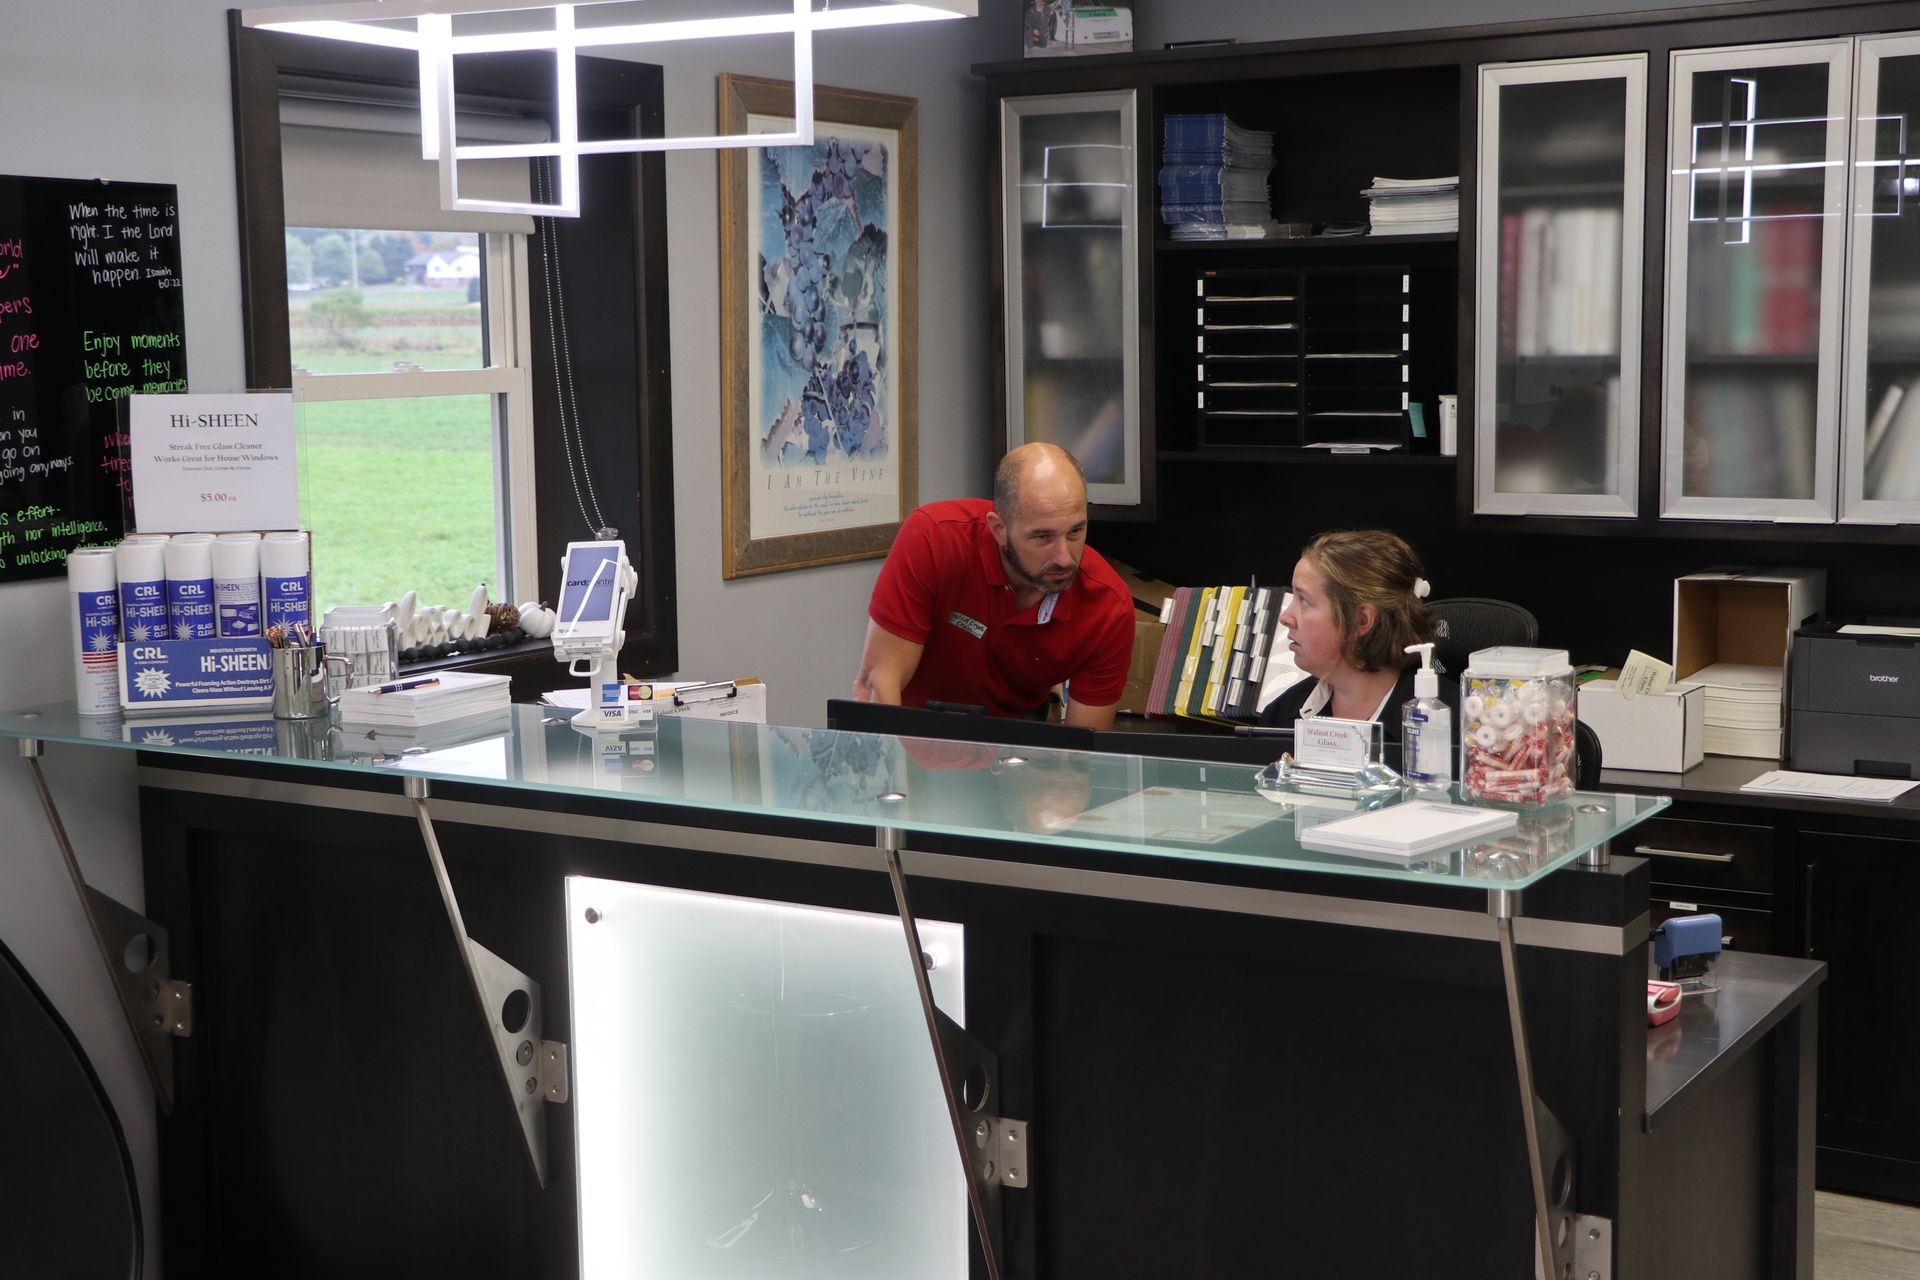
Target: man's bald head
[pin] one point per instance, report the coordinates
(1036, 469)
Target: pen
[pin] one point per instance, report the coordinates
(400, 685)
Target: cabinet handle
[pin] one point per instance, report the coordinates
(1650, 851)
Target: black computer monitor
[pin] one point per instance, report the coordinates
(1212, 748)
(959, 726)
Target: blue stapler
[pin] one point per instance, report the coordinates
(1684, 947)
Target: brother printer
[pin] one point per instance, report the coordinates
(1853, 702)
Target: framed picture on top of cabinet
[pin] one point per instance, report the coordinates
(819, 443)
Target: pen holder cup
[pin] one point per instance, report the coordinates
(300, 681)
(368, 655)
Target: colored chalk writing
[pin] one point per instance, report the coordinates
(91, 311)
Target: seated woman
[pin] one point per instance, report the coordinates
(1357, 605)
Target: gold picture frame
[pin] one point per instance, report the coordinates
(819, 442)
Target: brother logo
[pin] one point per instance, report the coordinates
(1884, 679)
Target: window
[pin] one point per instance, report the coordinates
(592, 288)
(414, 411)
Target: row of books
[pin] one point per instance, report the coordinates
(1214, 173)
(1749, 435)
(1892, 446)
(1224, 655)
(1413, 206)
(1560, 276)
(1754, 288)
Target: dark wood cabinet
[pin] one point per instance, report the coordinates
(1826, 880)
(1862, 904)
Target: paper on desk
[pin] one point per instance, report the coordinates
(1861, 629)
(1644, 673)
(1784, 782)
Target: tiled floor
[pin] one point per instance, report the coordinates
(1864, 1239)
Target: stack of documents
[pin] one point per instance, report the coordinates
(1413, 206)
(1407, 830)
(452, 695)
(1214, 173)
(1744, 709)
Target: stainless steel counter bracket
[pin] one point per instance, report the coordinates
(1550, 1153)
(134, 950)
(993, 1149)
(533, 1069)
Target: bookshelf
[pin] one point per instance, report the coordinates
(1575, 143)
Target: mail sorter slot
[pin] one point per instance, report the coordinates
(1719, 855)
(1250, 429)
(1330, 373)
(1266, 343)
(1377, 286)
(1742, 928)
(1271, 395)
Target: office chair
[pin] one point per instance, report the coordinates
(1586, 757)
(1466, 623)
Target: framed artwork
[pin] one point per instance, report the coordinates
(819, 448)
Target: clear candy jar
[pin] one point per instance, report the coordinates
(1516, 725)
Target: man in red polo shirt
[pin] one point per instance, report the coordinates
(995, 603)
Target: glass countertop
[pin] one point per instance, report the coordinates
(1179, 811)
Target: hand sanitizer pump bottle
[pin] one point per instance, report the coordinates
(1426, 727)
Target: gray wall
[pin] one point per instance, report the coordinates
(137, 90)
(801, 631)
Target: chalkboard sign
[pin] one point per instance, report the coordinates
(90, 312)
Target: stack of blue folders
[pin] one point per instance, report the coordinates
(1213, 178)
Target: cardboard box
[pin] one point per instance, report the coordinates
(1725, 625)
(1055, 28)
(1659, 733)
(1742, 617)
(1148, 632)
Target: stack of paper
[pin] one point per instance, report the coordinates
(1413, 206)
(1214, 173)
(1407, 830)
(453, 695)
(1744, 709)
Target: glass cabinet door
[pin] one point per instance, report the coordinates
(1756, 244)
(1880, 408)
(1072, 283)
(1557, 324)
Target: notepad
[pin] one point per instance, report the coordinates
(1406, 830)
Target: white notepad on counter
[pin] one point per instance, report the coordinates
(1407, 830)
(452, 695)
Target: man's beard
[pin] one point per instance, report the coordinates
(1039, 582)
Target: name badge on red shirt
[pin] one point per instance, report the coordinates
(969, 625)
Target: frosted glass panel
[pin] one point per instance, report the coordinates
(1758, 186)
(1559, 320)
(1071, 294)
(1884, 365)
(754, 1094)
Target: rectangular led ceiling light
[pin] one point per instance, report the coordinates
(425, 27)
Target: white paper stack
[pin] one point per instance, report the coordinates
(1407, 830)
(1744, 709)
(1413, 206)
(455, 695)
